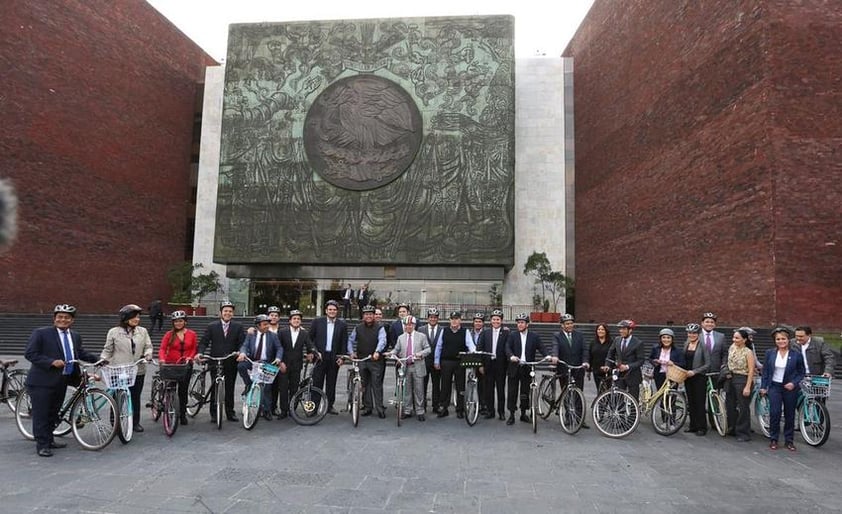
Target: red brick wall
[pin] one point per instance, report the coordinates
(98, 102)
(686, 173)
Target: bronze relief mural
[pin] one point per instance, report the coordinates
(368, 142)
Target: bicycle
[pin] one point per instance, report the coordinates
(308, 405)
(261, 373)
(811, 414)
(355, 387)
(12, 383)
(399, 401)
(667, 407)
(118, 379)
(549, 394)
(533, 391)
(647, 383)
(615, 412)
(164, 398)
(218, 386)
(197, 394)
(90, 413)
(471, 361)
(715, 405)
(571, 402)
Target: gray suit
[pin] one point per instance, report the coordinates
(719, 352)
(416, 371)
(820, 357)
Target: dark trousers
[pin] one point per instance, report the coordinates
(780, 397)
(519, 381)
(738, 406)
(452, 372)
(696, 388)
(630, 382)
(371, 374)
(434, 378)
(598, 378)
(495, 382)
(326, 370)
(158, 320)
(183, 389)
(46, 404)
(346, 309)
(289, 385)
(135, 391)
(229, 371)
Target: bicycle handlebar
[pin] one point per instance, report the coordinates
(580, 366)
(350, 359)
(400, 359)
(217, 359)
(534, 363)
(101, 362)
(489, 354)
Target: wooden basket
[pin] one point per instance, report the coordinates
(676, 374)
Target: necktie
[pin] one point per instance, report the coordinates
(225, 329)
(708, 342)
(409, 348)
(494, 344)
(623, 346)
(569, 339)
(259, 353)
(68, 353)
(433, 336)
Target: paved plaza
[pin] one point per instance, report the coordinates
(441, 465)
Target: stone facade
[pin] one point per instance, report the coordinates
(707, 162)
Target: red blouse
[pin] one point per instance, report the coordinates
(172, 349)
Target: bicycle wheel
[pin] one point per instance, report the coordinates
(170, 408)
(156, 398)
(814, 422)
(196, 393)
(23, 416)
(471, 403)
(616, 413)
(356, 398)
(647, 391)
(571, 411)
(399, 401)
(251, 407)
(718, 414)
(549, 395)
(94, 418)
(761, 414)
(308, 406)
(126, 421)
(220, 403)
(669, 412)
(15, 384)
(533, 407)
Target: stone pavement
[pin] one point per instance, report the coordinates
(441, 465)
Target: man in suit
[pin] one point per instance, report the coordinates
(454, 339)
(262, 346)
(221, 338)
(330, 338)
(521, 346)
(50, 350)
(397, 327)
(296, 344)
(493, 372)
(363, 298)
(629, 354)
(433, 332)
(818, 356)
(570, 347)
(366, 339)
(415, 344)
(347, 298)
(474, 333)
(714, 342)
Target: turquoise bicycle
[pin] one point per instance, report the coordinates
(118, 379)
(811, 415)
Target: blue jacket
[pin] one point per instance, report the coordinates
(274, 350)
(793, 372)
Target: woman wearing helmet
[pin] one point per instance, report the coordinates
(697, 358)
(125, 344)
(664, 355)
(179, 346)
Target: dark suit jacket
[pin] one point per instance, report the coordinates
(513, 348)
(221, 345)
(820, 357)
(318, 335)
(485, 342)
(272, 344)
(294, 356)
(394, 332)
(575, 353)
(43, 347)
(633, 357)
(430, 359)
(676, 356)
(793, 372)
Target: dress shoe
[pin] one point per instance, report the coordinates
(790, 446)
(57, 444)
(138, 428)
(232, 417)
(690, 430)
(773, 445)
(381, 415)
(282, 415)
(183, 420)
(366, 413)
(443, 413)
(511, 420)
(701, 432)
(460, 414)
(331, 410)
(421, 417)
(502, 416)
(45, 452)
(524, 417)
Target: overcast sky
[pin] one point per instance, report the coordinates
(541, 27)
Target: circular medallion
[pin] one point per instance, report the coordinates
(362, 132)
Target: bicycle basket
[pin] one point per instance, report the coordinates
(264, 373)
(677, 374)
(470, 360)
(816, 387)
(120, 376)
(647, 369)
(175, 371)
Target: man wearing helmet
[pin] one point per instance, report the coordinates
(716, 346)
(296, 344)
(454, 339)
(521, 346)
(493, 372)
(433, 331)
(629, 355)
(262, 346)
(474, 332)
(224, 336)
(50, 350)
(570, 347)
(366, 339)
(330, 337)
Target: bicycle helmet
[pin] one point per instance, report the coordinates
(65, 309)
(783, 330)
(666, 332)
(403, 304)
(178, 315)
(129, 311)
(432, 311)
(273, 308)
(368, 308)
(709, 315)
(627, 323)
(479, 315)
(522, 317)
(260, 318)
(750, 331)
(455, 315)
(693, 328)
(295, 312)
(410, 320)
(497, 312)
(567, 317)
(226, 303)
(332, 302)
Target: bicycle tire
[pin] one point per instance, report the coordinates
(761, 414)
(308, 406)
(126, 419)
(170, 408)
(251, 407)
(94, 420)
(471, 403)
(814, 422)
(533, 407)
(399, 399)
(220, 403)
(549, 396)
(616, 413)
(15, 384)
(156, 398)
(646, 393)
(23, 416)
(196, 396)
(356, 397)
(719, 414)
(669, 413)
(571, 410)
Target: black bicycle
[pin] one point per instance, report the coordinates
(13, 382)
(201, 391)
(308, 405)
(164, 401)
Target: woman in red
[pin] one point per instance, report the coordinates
(178, 346)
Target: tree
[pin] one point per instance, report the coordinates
(554, 283)
(188, 287)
